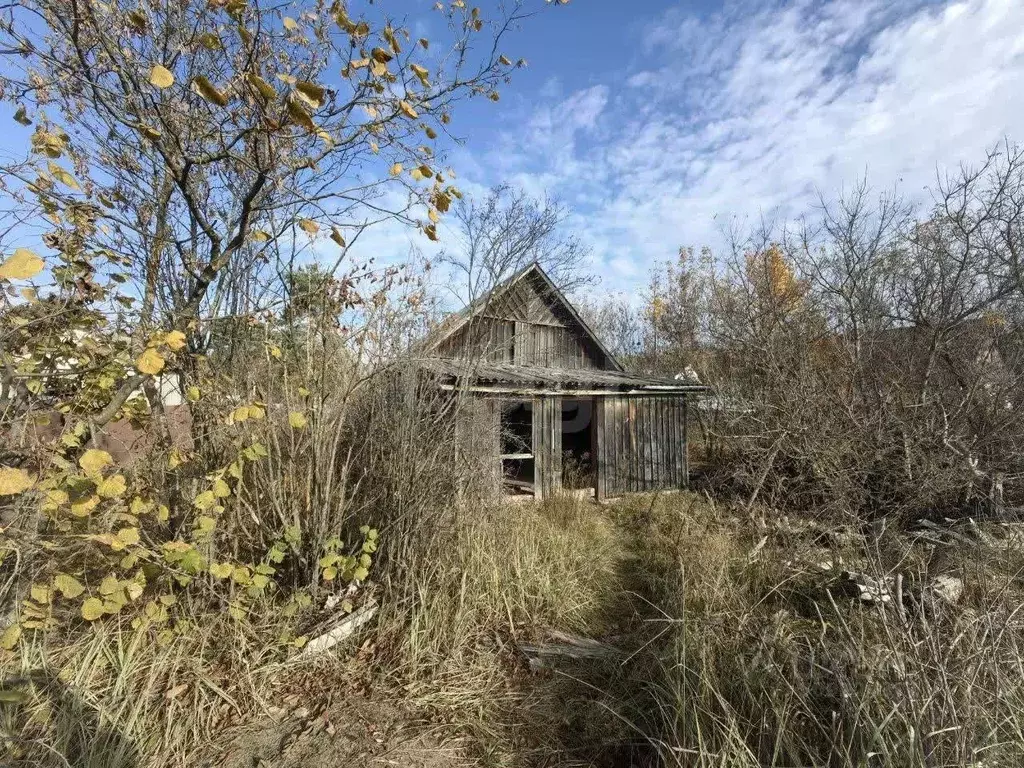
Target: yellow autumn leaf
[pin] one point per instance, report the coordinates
(300, 115)
(82, 507)
(112, 487)
(175, 340)
(290, 24)
(221, 570)
(505, 60)
(94, 460)
(297, 420)
(309, 226)
(221, 489)
(396, 169)
(407, 108)
(21, 265)
(209, 91)
(109, 585)
(205, 500)
(128, 536)
(175, 459)
(41, 593)
(14, 481)
(337, 237)
(92, 609)
(150, 362)
(10, 637)
(265, 89)
(161, 76)
(62, 175)
(314, 93)
(68, 585)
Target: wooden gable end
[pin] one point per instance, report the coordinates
(528, 323)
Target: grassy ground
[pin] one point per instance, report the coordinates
(732, 643)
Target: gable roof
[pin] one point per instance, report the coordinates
(458, 320)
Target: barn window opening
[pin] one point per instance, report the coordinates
(577, 444)
(517, 464)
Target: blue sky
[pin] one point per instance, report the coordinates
(660, 122)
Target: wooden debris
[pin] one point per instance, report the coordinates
(345, 629)
(565, 646)
(947, 588)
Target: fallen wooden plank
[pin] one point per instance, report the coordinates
(345, 629)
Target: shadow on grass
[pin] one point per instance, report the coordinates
(598, 711)
(59, 729)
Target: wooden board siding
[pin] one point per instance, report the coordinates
(485, 338)
(641, 444)
(547, 445)
(525, 325)
(479, 437)
(551, 346)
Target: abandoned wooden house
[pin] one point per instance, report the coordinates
(559, 410)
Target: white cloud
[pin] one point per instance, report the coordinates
(751, 112)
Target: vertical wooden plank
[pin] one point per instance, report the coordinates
(547, 445)
(621, 483)
(633, 447)
(598, 451)
(674, 455)
(657, 430)
(641, 445)
(686, 441)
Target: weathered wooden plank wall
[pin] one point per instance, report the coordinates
(641, 444)
(479, 445)
(547, 445)
(526, 327)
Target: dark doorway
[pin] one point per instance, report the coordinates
(517, 465)
(577, 443)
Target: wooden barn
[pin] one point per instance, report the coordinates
(552, 404)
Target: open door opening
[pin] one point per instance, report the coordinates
(578, 445)
(517, 462)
